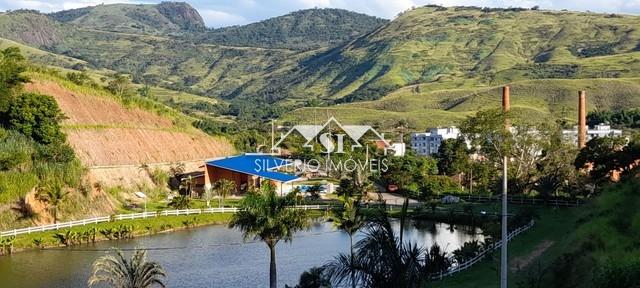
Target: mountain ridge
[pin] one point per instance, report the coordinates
(432, 48)
(154, 19)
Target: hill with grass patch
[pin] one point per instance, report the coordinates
(300, 30)
(431, 58)
(163, 18)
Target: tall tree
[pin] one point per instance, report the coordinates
(453, 157)
(12, 64)
(119, 272)
(349, 220)
(602, 155)
(38, 117)
(267, 217)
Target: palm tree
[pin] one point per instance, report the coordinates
(224, 187)
(120, 272)
(186, 184)
(180, 202)
(350, 221)
(381, 260)
(54, 194)
(267, 217)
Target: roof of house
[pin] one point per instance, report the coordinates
(261, 165)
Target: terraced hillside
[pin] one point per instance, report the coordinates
(104, 132)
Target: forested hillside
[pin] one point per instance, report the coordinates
(453, 54)
(305, 29)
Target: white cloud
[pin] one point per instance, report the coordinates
(214, 18)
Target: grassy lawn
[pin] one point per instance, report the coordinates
(551, 229)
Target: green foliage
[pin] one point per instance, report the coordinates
(12, 64)
(134, 272)
(313, 278)
(180, 202)
(403, 171)
(382, 260)
(603, 251)
(36, 116)
(620, 274)
(161, 19)
(160, 177)
(452, 157)
(16, 151)
(223, 188)
(80, 78)
(626, 118)
(601, 153)
(265, 216)
(303, 30)
(434, 185)
(120, 86)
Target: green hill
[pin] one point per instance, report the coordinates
(429, 62)
(304, 29)
(424, 107)
(163, 18)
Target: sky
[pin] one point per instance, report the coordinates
(220, 13)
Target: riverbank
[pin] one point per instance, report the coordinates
(145, 226)
(529, 253)
(121, 229)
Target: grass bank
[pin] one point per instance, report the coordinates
(537, 247)
(148, 226)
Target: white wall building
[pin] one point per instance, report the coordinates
(601, 130)
(428, 143)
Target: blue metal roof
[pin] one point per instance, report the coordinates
(261, 165)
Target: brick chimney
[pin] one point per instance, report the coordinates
(582, 119)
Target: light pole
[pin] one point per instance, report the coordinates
(503, 250)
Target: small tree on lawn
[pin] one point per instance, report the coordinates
(224, 187)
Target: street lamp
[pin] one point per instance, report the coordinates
(143, 196)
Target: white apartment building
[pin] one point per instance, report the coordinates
(428, 143)
(601, 130)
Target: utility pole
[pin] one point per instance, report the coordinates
(503, 250)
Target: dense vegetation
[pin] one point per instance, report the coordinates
(625, 118)
(33, 149)
(413, 58)
(300, 30)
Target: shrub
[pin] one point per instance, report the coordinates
(14, 185)
(36, 116)
(16, 151)
(159, 177)
(435, 185)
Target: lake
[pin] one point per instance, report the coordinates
(211, 256)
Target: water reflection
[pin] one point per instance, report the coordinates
(213, 256)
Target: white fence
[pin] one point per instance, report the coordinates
(141, 215)
(467, 264)
(135, 215)
(56, 226)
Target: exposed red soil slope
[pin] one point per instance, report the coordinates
(105, 133)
